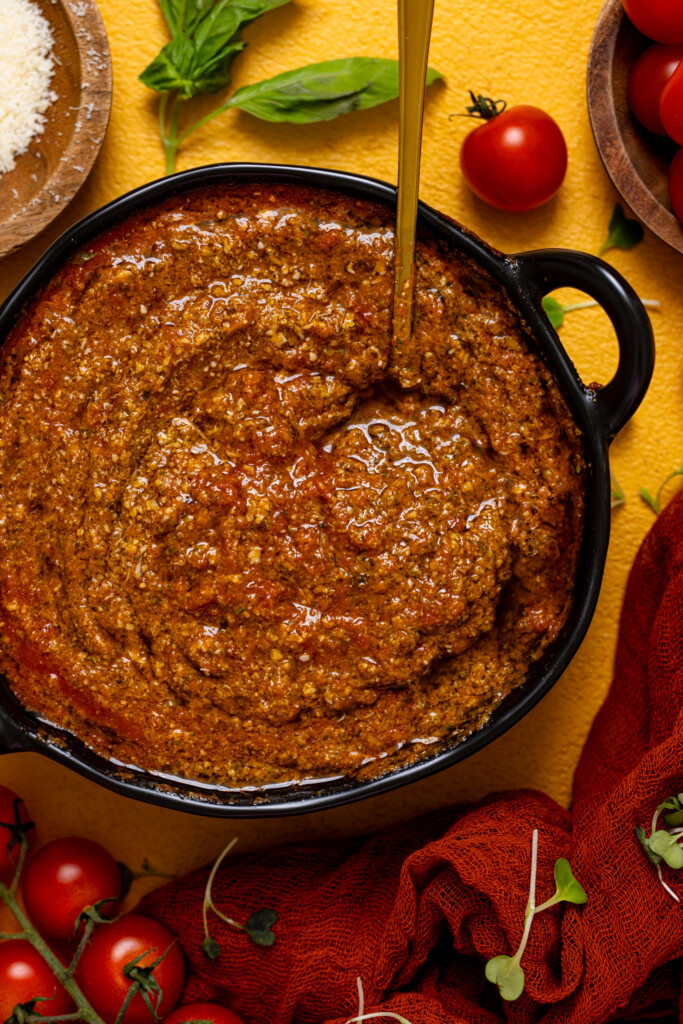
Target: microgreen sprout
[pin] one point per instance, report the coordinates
(258, 926)
(506, 971)
(361, 1016)
(617, 495)
(663, 845)
(556, 311)
(656, 502)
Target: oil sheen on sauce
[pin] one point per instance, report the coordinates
(232, 547)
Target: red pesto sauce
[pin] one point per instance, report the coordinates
(232, 546)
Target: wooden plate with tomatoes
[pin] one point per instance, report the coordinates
(636, 159)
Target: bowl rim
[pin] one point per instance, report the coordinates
(20, 730)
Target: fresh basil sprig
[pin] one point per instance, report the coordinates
(206, 39)
(320, 92)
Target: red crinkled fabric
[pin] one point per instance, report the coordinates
(417, 909)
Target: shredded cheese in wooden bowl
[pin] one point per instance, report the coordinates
(55, 96)
(26, 71)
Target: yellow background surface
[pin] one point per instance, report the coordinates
(528, 53)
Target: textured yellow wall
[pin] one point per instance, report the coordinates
(527, 53)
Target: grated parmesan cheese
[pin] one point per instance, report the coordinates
(26, 69)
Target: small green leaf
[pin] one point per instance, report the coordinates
(641, 836)
(566, 886)
(321, 92)
(675, 819)
(507, 974)
(666, 846)
(211, 948)
(623, 233)
(554, 310)
(259, 927)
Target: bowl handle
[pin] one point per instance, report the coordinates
(543, 270)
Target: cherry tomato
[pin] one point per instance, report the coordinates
(63, 878)
(646, 81)
(112, 947)
(8, 803)
(671, 106)
(661, 20)
(516, 160)
(202, 1011)
(676, 184)
(24, 975)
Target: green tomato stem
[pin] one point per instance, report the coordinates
(132, 991)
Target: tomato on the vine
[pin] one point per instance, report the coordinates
(63, 878)
(646, 81)
(517, 159)
(661, 20)
(202, 1011)
(25, 976)
(11, 806)
(113, 947)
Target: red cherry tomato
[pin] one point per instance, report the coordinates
(202, 1011)
(113, 946)
(24, 975)
(63, 878)
(671, 106)
(676, 184)
(661, 20)
(8, 802)
(516, 160)
(646, 82)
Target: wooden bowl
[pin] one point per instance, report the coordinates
(636, 160)
(57, 162)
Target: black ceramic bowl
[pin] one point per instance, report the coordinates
(600, 414)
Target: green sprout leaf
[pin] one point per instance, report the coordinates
(210, 948)
(623, 233)
(641, 836)
(656, 503)
(666, 846)
(554, 310)
(259, 927)
(506, 973)
(320, 92)
(567, 887)
(675, 819)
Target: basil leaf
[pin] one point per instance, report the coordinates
(623, 233)
(320, 92)
(179, 68)
(224, 19)
(199, 58)
(184, 15)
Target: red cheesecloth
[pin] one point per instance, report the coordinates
(417, 909)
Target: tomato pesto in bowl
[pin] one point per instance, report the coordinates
(232, 547)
